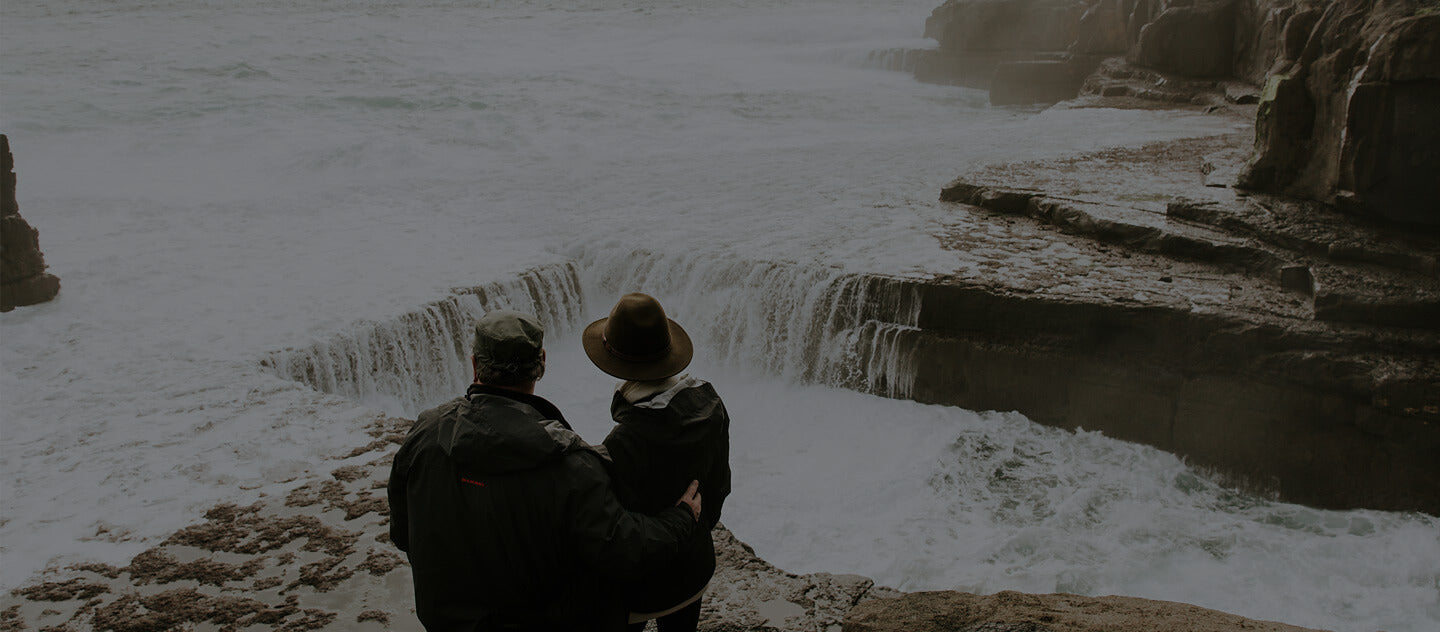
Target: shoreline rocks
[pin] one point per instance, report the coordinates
(317, 558)
(23, 280)
(1289, 347)
(1350, 88)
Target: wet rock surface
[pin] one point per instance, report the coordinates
(319, 558)
(311, 561)
(1018, 612)
(23, 280)
(1291, 347)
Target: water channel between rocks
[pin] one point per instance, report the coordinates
(831, 477)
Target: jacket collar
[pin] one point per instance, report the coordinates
(546, 409)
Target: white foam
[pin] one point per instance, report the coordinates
(214, 183)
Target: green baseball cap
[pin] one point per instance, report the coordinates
(508, 340)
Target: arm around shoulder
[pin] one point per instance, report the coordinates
(616, 542)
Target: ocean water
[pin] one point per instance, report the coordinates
(232, 190)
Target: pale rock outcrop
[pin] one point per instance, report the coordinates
(23, 280)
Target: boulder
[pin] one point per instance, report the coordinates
(23, 280)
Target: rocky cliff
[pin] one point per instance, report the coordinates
(1349, 112)
(1351, 88)
(23, 280)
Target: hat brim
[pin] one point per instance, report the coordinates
(674, 361)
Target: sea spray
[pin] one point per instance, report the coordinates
(422, 357)
(804, 323)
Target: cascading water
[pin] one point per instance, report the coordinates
(807, 324)
(421, 358)
(918, 497)
(813, 324)
(216, 181)
(897, 59)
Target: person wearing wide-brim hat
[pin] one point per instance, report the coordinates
(507, 517)
(671, 428)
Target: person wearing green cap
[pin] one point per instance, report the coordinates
(507, 516)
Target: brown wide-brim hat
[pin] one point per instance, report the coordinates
(637, 341)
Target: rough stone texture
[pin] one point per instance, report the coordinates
(23, 280)
(1018, 612)
(1196, 40)
(1351, 118)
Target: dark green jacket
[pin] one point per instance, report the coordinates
(660, 444)
(508, 518)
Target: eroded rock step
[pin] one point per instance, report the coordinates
(1279, 342)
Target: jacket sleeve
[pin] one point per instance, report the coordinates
(395, 494)
(619, 544)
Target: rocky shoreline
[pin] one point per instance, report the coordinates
(319, 558)
(1167, 288)
(1286, 335)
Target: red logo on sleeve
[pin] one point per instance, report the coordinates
(475, 483)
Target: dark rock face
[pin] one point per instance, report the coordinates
(1196, 41)
(1102, 29)
(1018, 82)
(1006, 25)
(23, 280)
(1351, 119)
(1277, 341)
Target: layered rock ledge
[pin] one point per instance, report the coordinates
(1289, 346)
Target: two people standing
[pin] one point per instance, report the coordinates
(512, 522)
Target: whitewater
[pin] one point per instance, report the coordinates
(272, 220)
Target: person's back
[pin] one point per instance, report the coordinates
(669, 433)
(508, 519)
(662, 441)
(671, 429)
